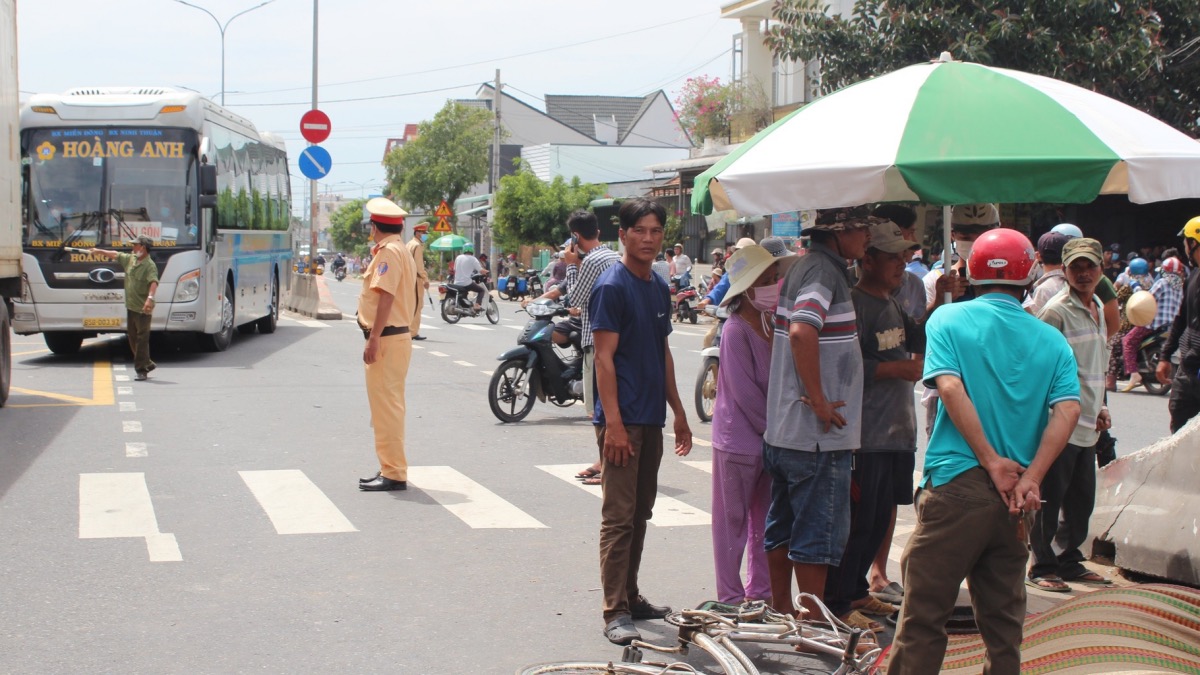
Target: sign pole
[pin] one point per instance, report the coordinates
(312, 184)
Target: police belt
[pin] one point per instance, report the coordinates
(387, 331)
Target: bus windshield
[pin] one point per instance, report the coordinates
(104, 186)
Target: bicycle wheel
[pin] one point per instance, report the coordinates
(598, 668)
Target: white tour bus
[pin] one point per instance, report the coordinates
(104, 165)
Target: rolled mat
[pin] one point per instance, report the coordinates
(1149, 628)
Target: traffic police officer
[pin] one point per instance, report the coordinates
(385, 310)
(416, 246)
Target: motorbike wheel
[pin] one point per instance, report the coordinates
(1148, 362)
(448, 314)
(507, 395)
(706, 388)
(492, 311)
(693, 316)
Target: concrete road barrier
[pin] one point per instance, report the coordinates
(1147, 513)
(303, 297)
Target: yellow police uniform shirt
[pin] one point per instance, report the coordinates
(417, 249)
(391, 270)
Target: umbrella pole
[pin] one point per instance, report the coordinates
(946, 244)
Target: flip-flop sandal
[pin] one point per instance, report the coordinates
(587, 473)
(594, 480)
(1090, 579)
(1049, 583)
(893, 594)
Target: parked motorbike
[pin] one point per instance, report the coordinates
(537, 368)
(520, 283)
(710, 362)
(1148, 360)
(458, 304)
(685, 300)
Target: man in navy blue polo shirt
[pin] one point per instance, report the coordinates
(630, 312)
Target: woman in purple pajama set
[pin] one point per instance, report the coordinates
(741, 489)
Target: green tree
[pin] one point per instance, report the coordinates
(346, 229)
(531, 211)
(1142, 52)
(448, 156)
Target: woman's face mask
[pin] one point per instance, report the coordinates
(963, 249)
(764, 298)
(424, 237)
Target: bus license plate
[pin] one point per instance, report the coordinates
(101, 323)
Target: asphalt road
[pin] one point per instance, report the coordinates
(209, 520)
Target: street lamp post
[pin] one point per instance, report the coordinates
(221, 27)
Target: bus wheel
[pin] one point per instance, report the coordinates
(63, 344)
(5, 354)
(266, 325)
(219, 341)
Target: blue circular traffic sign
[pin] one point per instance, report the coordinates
(315, 162)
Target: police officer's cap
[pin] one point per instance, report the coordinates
(385, 212)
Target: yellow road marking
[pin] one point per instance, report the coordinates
(102, 391)
(36, 351)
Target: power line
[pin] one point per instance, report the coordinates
(363, 98)
(494, 60)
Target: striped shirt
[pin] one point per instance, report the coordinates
(816, 292)
(1089, 342)
(1168, 293)
(593, 265)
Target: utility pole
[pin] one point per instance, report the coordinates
(495, 177)
(312, 185)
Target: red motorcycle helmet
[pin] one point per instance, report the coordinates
(1173, 266)
(1001, 256)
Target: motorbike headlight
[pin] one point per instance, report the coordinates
(187, 288)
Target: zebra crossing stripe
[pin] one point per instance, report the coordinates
(467, 326)
(118, 505)
(696, 440)
(471, 502)
(668, 511)
(294, 504)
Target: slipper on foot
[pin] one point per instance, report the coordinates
(1049, 583)
(594, 480)
(588, 473)
(1090, 579)
(892, 594)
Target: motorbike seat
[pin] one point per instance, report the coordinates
(458, 288)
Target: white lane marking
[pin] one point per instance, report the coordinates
(430, 327)
(127, 406)
(418, 347)
(294, 504)
(695, 351)
(310, 323)
(118, 367)
(703, 465)
(668, 511)
(474, 504)
(131, 427)
(121, 378)
(695, 440)
(124, 391)
(437, 354)
(118, 505)
(516, 327)
(897, 549)
(465, 363)
(467, 326)
(136, 450)
(487, 372)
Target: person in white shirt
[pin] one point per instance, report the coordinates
(683, 266)
(466, 265)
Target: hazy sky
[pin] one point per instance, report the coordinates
(384, 50)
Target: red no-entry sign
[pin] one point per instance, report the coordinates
(315, 126)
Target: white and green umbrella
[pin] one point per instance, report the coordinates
(953, 133)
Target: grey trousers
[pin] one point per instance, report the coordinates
(1069, 486)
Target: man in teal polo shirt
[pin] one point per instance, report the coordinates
(141, 281)
(1009, 400)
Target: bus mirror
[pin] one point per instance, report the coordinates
(208, 182)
